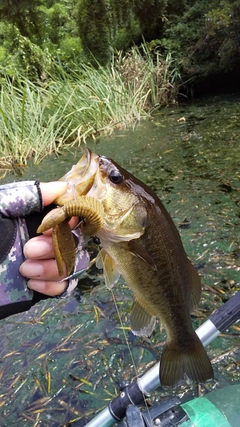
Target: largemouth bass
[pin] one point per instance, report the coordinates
(140, 242)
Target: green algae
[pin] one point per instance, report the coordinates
(65, 359)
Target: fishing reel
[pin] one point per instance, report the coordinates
(164, 414)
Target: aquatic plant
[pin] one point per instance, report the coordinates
(65, 109)
(151, 73)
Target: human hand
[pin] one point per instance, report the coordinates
(40, 266)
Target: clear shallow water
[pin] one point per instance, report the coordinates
(64, 358)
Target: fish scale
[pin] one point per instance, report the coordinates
(140, 241)
(153, 263)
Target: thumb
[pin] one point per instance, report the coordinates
(51, 190)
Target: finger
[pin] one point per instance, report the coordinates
(45, 270)
(40, 247)
(49, 288)
(51, 190)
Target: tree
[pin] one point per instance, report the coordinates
(151, 15)
(95, 23)
(101, 20)
(23, 14)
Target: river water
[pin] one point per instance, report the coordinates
(64, 359)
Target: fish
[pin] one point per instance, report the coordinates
(140, 241)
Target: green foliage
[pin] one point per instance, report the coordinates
(95, 26)
(146, 68)
(68, 108)
(223, 32)
(24, 57)
(109, 23)
(35, 33)
(23, 14)
(218, 19)
(127, 36)
(31, 125)
(151, 15)
(52, 44)
(2, 53)
(70, 51)
(202, 35)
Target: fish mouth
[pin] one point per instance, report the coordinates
(81, 177)
(88, 164)
(88, 167)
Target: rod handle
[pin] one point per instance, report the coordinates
(228, 314)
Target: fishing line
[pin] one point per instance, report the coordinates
(108, 283)
(128, 344)
(124, 332)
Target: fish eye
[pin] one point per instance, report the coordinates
(115, 177)
(96, 240)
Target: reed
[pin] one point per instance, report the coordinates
(39, 119)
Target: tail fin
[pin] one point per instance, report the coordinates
(178, 362)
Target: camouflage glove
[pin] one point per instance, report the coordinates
(21, 211)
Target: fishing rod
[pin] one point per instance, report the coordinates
(136, 392)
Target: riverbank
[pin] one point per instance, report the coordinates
(37, 119)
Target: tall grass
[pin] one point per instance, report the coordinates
(157, 77)
(39, 119)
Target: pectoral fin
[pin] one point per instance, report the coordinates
(142, 323)
(110, 272)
